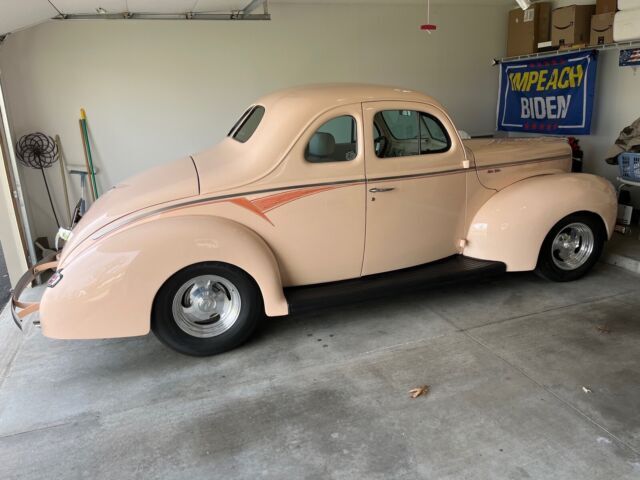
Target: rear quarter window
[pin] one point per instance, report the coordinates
(248, 125)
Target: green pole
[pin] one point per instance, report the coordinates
(92, 173)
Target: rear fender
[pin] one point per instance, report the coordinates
(512, 225)
(108, 289)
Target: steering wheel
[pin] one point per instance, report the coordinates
(380, 144)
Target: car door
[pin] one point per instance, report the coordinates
(416, 186)
(316, 224)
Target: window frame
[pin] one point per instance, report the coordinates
(240, 120)
(420, 113)
(354, 137)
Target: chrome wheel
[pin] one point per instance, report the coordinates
(572, 246)
(206, 306)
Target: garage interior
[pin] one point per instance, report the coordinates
(518, 377)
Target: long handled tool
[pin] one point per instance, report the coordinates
(63, 174)
(87, 151)
(86, 158)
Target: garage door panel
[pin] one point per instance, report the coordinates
(15, 16)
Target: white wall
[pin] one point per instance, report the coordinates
(158, 90)
(617, 105)
(9, 233)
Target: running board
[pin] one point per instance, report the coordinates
(444, 271)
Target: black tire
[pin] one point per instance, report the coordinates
(548, 268)
(165, 326)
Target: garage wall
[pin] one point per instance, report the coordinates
(9, 233)
(156, 90)
(617, 105)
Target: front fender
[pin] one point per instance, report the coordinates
(108, 290)
(512, 225)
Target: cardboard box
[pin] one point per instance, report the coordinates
(606, 6)
(626, 26)
(571, 25)
(527, 28)
(602, 28)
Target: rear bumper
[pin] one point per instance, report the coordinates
(20, 310)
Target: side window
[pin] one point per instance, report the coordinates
(403, 124)
(249, 124)
(335, 141)
(406, 133)
(435, 134)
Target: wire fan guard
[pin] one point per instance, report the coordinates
(37, 150)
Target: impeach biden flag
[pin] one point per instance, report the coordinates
(550, 95)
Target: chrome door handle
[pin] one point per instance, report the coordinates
(381, 190)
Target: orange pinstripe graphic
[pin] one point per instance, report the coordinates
(260, 206)
(249, 205)
(271, 202)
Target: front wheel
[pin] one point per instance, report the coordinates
(207, 308)
(571, 248)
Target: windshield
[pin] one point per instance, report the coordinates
(248, 124)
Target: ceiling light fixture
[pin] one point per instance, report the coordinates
(101, 11)
(524, 4)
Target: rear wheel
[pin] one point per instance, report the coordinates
(571, 248)
(207, 308)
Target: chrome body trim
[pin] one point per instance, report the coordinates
(524, 162)
(115, 225)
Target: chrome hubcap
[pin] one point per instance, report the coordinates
(206, 306)
(572, 246)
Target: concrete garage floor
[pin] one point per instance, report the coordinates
(624, 251)
(325, 395)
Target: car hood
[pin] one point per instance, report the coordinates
(166, 183)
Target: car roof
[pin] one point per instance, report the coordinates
(321, 97)
(288, 113)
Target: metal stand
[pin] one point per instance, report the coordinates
(624, 229)
(626, 183)
(83, 189)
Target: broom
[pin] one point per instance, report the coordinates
(87, 152)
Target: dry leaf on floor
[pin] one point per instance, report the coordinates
(417, 392)
(603, 329)
(586, 390)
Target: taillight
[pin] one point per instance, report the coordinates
(54, 280)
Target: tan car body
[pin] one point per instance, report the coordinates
(287, 222)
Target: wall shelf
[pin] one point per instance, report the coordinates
(608, 46)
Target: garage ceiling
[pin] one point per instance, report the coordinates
(18, 14)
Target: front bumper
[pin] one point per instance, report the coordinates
(19, 310)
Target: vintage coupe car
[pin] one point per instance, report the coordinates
(318, 195)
